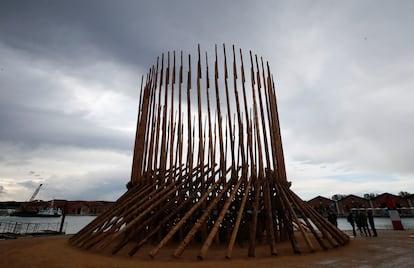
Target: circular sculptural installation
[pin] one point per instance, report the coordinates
(208, 166)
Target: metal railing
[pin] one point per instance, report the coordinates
(22, 228)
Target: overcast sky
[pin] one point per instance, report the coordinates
(70, 74)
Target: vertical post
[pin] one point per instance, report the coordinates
(64, 211)
(172, 131)
(189, 145)
(219, 118)
(226, 76)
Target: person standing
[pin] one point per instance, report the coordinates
(364, 223)
(332, 218)
(371, 223)
(351, 221)
(361, 222)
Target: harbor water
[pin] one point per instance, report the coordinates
(72, 223)
(75, 223)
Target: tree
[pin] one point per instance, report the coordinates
(370, 195)
(337, 197)
(404, 194)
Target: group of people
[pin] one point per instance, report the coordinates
(361, 219)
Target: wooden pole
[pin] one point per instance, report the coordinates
(202, 219)
(183, 220)
(206, 180)
(218, 221)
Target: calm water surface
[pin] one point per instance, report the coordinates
(72, 223)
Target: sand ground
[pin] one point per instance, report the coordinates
(389, 249)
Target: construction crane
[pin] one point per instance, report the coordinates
(35, 193)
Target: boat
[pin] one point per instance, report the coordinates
(4, 212)
(33, 209)
(49, 212)
(45, 212)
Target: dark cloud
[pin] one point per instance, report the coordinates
(131, 31)
(96, 185)
(33, 128)
(39, 106)
(30, 184)
(70, 73)
(67, 31)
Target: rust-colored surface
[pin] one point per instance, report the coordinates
(389, 249)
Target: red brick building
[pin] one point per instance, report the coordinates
(79, 207)
(351, 201)
(410, 200)
(380, 200)
(344, 205)
(402, 203)
(322, 204)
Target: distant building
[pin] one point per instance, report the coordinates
(8, 207)
(410, 200)
(402, 203)
(87, 207)
(342, 206)
(322, 205)
(346, 204)
(70, 207)
(380, 200)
